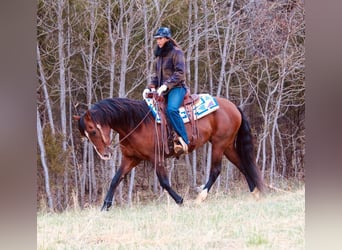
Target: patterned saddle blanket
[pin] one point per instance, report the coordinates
(204, 106)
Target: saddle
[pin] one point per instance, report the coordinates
(189, 103)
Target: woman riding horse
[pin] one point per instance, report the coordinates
(169, 78)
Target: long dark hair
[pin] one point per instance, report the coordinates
(169, 45)
(174, 42)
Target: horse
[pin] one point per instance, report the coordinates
(227, 129)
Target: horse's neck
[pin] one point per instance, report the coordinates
(120, 128)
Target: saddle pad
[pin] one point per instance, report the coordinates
(204, 106)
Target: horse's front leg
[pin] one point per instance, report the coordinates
(126, 166)
(114, 183)
(164, 182)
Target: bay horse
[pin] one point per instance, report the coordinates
(226, 128)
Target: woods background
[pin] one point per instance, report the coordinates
(251, 52)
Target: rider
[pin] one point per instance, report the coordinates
(169, 77)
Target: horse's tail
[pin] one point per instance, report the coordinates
(245, 149)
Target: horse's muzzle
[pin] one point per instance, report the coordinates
(106, 156)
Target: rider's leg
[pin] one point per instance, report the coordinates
(174, 101)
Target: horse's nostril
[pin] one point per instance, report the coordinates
(107, 155)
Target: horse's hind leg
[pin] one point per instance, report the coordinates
(233, 157)
(164, 182)
(215, 170)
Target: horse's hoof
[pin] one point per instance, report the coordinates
(199, 189)
(106, 206)
(256, 194)
(180, 202)
(201, 196)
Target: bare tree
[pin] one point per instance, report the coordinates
(44, 163)
(46, 93)
(207, 47)
(225, 48)
(125, 25)
(113, 38)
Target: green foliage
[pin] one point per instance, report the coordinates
(57, 159)
(256, 240)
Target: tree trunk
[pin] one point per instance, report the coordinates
(46, 93)
(224, 52)
(196, 45)
(43, 160)
(83, 172)
(208, 166)
(207, 47)
(62, 82)
(113, 41)
(189, 49)
(131, 186)
(125, 29)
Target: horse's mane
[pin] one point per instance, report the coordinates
(120, 111)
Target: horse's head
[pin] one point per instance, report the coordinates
(98, 135)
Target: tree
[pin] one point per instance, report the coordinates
(44, 163)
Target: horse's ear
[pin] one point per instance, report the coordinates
(87, 116)
(76, 117)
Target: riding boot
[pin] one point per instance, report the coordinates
(177, 148)
(184, 145)
(180, 146)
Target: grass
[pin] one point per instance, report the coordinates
(221, 222)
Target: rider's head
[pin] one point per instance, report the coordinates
(162, 36)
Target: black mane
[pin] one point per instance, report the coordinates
(122, 112)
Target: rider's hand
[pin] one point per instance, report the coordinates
(162, 89)
(147, 91)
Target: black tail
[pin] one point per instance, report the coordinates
(245, 149)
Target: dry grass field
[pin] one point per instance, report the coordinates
(221, 222)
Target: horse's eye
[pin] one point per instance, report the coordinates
(93, 133)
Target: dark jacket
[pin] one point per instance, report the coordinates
(168, 67)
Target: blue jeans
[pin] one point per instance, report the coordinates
(175, 99)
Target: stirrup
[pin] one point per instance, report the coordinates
(184, 145)
(177, 148)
